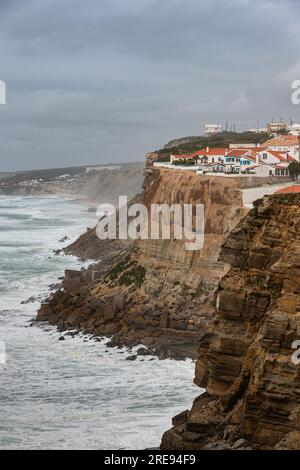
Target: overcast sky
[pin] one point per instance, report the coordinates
(92, 81)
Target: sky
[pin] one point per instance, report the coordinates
(92, 81)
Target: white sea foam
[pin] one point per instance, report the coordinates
(73, 393)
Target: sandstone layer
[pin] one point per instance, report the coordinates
(153, 292)
(252, 397)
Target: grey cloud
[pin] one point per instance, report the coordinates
(108, 80)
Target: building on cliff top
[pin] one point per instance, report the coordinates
(285, 143)
(261, 161)
(211, 129)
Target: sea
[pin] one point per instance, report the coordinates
(77, 393)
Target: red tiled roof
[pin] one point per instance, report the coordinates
(211, 151)
(282, 141)
(277, 154)
(295, 188)
(258, 149)
(237, 152)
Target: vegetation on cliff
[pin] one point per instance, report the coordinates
(224, 139)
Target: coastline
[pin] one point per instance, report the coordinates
(76, 382)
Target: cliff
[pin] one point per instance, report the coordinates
(94, 188)
(153, 292)
(252, 397)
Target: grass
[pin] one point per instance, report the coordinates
(127, 273)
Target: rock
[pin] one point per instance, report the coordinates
(231, 303)
(290, 442)
(177, 325)
(239, 443)
(30, 300)
(118, 301)
(111, 329)
(144, 352)
(245, 359)
(109, 312)
(75, 318)
(44, 312)
(164, 320)
(72, 285)
(61, 325)
(64, 239)
(61, 338)
(180, 419)
(72, 274)
(131, 358)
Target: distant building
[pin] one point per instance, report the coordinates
(211, 129)
(288, 144)
(243, 146)
(261, 130)
(294, 129)
(275, 127)
(260, 161)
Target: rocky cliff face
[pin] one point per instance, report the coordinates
(155, 292)
(252, 397)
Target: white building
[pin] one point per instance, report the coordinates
(258, 130)
(275, 127)
(211, 129)
(294, 129)
(260, 161)
(243, 146)
(288, 144)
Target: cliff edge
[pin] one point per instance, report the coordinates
(154, 292)
(252, 397)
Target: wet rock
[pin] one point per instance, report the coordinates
(30, 300)
(239, 443)
(144, 352)
(131, 358)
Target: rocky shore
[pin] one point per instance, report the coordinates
(252, 398)
(238, 298)
(152, 292)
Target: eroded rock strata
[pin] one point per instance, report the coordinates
(252, 397)
(153, 292)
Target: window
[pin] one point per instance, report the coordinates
(265, 156)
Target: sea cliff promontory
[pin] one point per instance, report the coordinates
(247, 362)
(153, 292)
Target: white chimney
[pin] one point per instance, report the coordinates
(207, 149)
